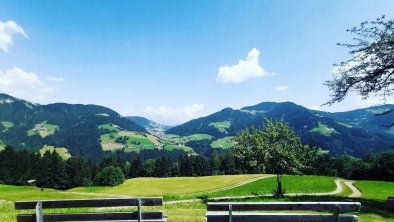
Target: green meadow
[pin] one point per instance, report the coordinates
(223, 143)
(43, 129)
(324, 130)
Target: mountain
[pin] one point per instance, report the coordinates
(152, 127)
(356, 132)
(79, 129)
(378, 119)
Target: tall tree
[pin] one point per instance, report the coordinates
(273, 149)
(371, 69)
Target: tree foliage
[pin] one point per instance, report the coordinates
(371, 69)
(110, 176)
(273, 149)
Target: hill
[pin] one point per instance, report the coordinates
(87, 130)
(152, 127)
(355, 132)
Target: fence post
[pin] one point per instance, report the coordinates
(230, 213)
(337, 209)
(139, 210)
(39, 215)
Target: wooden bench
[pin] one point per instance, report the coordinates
(390, 203)
(334, 207)
(137, 215)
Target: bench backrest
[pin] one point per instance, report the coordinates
(334, 207)
(110, 202)
(316, 206)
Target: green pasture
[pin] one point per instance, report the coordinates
(43, 129)
(223, 143)
(7, 124)
(130, 141)
(290, 184)
(221, 126)
(375, 190)
(169, 186)
(62, 151)
(323, 130)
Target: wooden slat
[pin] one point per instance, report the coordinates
(110, 202)
(92, 216)
(276, 217)
(316, 206)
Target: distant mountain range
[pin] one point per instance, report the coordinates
(355, 132)
(75, 127)
(92, 130)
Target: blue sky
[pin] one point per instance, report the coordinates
(172, 61)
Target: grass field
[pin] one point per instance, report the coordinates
(376, 190)
(63, 152)
(323, 130)
(291, 184)
(173, 188)
(43, 129)
(223, 143)
(221, 126)
(7, 124)
(117, 139)
(169, 187)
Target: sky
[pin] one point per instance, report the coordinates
(172, 61)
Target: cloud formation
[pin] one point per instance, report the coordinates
(22, 84)
(244, 70)
(281, 88)
(55, 79)
(171, 116)
(374, 100)
(7, 32)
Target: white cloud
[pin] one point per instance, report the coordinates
(281, 88)
(315, 107)
(7, 32)
(171, 116)
(244, 70)
(22, 84)
(374, 100)
(55, 79)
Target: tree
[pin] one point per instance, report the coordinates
(371, 70)
(273, 149)
(110, 176)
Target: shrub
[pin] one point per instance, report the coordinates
(110, 176)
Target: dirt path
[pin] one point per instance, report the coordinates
(356, 193)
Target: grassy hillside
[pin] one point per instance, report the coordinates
(291, 184)
(169, 186)
(372, 209)
(376, 190)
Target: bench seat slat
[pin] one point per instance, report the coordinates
(109, 202)
(316, 206)
(276, 217)
(146, 215)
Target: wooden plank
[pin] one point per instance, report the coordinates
(92, 216)
(109, 202)
(276, 217)
(316, 206)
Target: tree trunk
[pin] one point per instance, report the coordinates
(279, 192)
